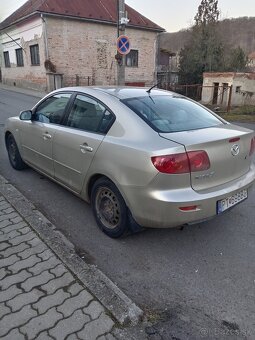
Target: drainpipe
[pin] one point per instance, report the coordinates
(46, 47)
(46, 52)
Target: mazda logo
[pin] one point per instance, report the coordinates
(235, 150)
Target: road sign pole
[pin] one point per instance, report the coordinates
(121, 31)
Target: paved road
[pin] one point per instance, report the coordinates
(191, 280)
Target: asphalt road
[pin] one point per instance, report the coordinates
(190, 281)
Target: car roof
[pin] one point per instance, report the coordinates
(121, 92)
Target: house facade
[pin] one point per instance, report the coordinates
(251, 61)
(167, 68)
(46, 46)
(234, 87)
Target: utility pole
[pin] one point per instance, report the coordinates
(121, 25)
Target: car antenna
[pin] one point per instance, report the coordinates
(149, 91)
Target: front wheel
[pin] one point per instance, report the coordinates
(13, 153)
(109, 208)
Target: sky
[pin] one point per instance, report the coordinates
(172, 15)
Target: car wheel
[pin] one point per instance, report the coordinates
(13, 153)
(109, 208)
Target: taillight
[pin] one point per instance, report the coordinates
(172, 164)
(252, 149)
(182, 163)
(199, 161)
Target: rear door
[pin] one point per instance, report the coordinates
(228, 149)
(76, 144)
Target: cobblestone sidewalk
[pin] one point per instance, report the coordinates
(39, 297)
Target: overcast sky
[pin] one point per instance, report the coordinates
(172, 15)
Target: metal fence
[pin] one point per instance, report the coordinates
(220, 97)
(223, 97)
(78, 80)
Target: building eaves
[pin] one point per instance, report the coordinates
(218, 74)
(104, 11)
(234, 75)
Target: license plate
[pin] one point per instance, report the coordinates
(229, 202)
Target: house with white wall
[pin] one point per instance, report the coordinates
(47, 40)
(219, 86)
(251, 61)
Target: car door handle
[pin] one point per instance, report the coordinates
(84, 148)
(46, 136)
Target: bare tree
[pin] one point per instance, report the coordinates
(206, 51)
(207, 12)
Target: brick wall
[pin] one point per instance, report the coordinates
(88, 49)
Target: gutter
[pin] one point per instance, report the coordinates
(81, 19)
(2, 28)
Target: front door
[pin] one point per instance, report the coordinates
(37, 135)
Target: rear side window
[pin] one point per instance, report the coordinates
(171, 114)
(89, 115)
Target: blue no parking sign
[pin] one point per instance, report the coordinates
(123, 44)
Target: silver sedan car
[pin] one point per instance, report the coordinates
(142, 157)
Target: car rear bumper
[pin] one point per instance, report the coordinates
(155, 208)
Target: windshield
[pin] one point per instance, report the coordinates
(171, 114)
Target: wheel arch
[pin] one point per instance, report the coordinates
(92, 180)
(133, 226)
(7, 134)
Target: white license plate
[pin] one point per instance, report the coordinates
(229, 202)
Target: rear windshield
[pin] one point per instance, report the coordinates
(171, 114)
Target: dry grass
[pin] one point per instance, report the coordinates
(234, 117)
(238, 114)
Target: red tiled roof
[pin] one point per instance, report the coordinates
(101, 10)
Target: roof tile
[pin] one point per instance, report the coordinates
(102, 10)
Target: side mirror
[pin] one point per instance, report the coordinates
(25, 115)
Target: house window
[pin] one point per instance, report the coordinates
(132, 58)
(238, 89)
(7, 59)
(19, 57)
(34, 52)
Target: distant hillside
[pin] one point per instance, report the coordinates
(234, 32)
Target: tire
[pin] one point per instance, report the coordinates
(109, 208)
(13, 153)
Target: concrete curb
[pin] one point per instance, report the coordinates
(112, 298)
(28, 92)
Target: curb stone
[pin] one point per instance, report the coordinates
(25, 91)
(123, 309)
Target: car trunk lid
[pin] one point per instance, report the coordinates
(228, 148)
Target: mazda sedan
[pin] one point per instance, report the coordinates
(142, 157)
